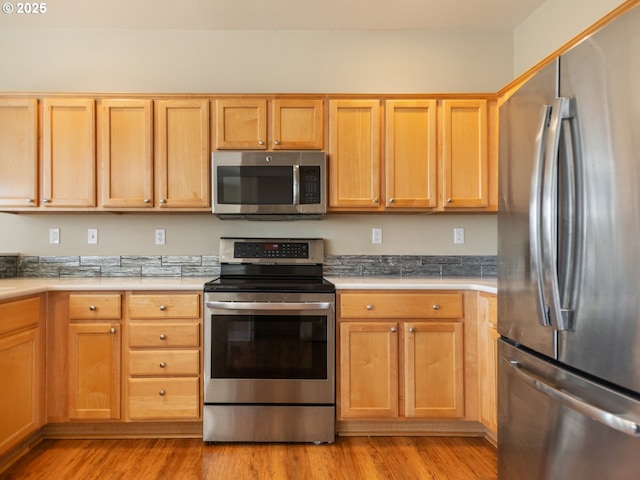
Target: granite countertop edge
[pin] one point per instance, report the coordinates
(18, 287)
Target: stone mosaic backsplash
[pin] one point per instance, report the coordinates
(208, 266)
(8, 266)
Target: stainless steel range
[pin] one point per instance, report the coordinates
(269, 347)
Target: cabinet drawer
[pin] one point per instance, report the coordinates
(164, 362)
(164, 398)
(90, 306)
(147, 334)
(165, 306)
(401, 305)
(19, 314)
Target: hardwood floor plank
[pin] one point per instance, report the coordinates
(349, 458)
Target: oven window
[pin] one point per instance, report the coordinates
(269, 347)
(245, 185)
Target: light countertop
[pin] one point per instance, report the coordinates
(15, 287)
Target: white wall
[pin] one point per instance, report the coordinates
(552, 25)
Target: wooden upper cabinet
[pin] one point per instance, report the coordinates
(18, 152)
(465, 154)
(241, 124)
(68, 153)
(182, 154)
(126, 155)
(298, 124)
(410, 154)
(354, 154)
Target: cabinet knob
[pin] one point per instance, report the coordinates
(276, 142)
(163, 308)
(436, 306)
(392, 200)
(162, 364)
(30, 201)
(163, 200)
(93, 308)
(112, 330)
(163, 336)
(147, 200)
(161, 393)
(375, 200)
(394, 329)
(45, 200)
(369, 307)
(449, 200)
(260, 142)
(412, 330)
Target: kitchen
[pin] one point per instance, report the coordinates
(195, 234)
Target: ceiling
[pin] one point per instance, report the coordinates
(278, 14)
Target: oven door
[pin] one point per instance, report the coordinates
(269, 348)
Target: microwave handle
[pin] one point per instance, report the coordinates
(296, 184)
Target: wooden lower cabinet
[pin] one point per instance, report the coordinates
(22, 372)
(163, 356)
(404, 368)
(488, 357)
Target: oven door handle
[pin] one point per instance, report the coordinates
(269, 305)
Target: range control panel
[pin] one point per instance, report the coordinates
(271, 250)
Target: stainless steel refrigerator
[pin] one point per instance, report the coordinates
(569, 265)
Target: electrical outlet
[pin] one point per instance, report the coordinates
(92, 236)
(54, 235)
(458, 235)
(160, 236)
(376, 235)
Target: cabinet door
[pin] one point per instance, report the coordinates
(298, 124)
(410, 154)
(126, 156)
(20, 379)
(241, 124)
(354, 154)
(68, 153)
(433, 369)
(182, 154)
(488, 338)
(368, 369)
(18, 152)
(465, 154)
(94, 371)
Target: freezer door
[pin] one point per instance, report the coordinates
(523, 121)
(601, 77)
(555, 425)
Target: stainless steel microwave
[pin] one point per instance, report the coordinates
(269, 185)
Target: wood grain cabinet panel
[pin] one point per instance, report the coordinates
(68, 164)
(95, 306)
(160, 335)
(126, 153)
(298, 124)
(241, 124)
(488, 360)
(18, 152)
(411, 154)
(465, 154)
(164, 398)
(176, 305)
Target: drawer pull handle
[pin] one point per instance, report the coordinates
(161, 393)
(412, 330)
(436, 306)
(162, 364)
(93, 308)
(163, 336)
(112, 330)
(163, 308)
(394, 329)
(369, 307)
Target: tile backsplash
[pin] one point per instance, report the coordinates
(208, 266)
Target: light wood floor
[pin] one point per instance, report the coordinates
(351, 458)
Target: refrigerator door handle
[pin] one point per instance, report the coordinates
(628, 426)
(535, 213)
(560, 318)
